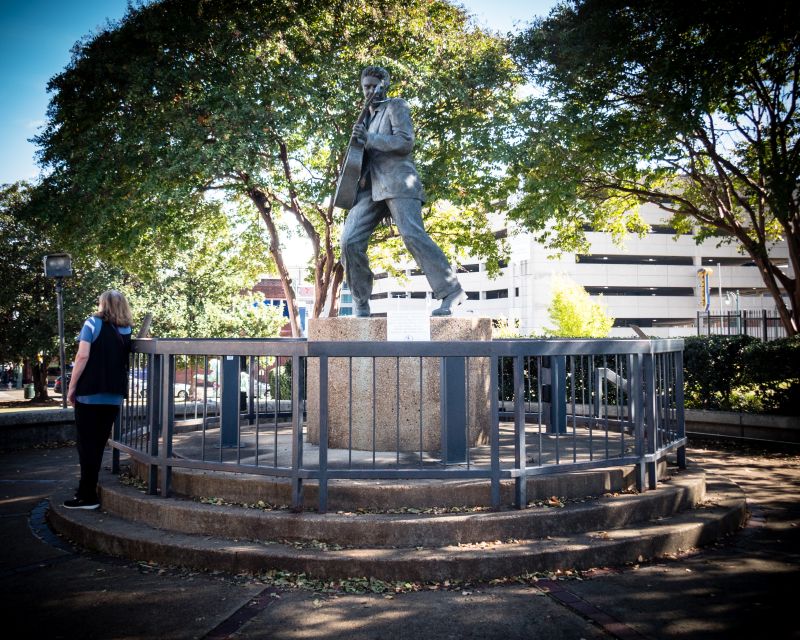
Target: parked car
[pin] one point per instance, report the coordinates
(58, 385)
(180, 390)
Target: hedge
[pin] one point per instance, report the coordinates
(741, 373)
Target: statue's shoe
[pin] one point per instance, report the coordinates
(450, 302)
(362, 310)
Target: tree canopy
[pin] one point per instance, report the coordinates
(28, 314)
(694, 109)
(254, 100)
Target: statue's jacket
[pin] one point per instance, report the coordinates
(390, 142)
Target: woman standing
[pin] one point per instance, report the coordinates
(99, 383)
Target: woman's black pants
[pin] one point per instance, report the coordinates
(93, 424)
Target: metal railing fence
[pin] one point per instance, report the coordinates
(764, 324)
(322, 411)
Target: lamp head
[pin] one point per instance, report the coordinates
(58, 265)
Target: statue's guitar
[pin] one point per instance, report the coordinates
(350, 171)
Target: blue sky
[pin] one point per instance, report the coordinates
(35, 41)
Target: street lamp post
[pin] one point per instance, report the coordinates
(59, 266)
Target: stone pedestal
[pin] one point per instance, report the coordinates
(354, 406)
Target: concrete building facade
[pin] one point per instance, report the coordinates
(651, 282)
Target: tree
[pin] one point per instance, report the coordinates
(28, 314)
(204, 289)
(199, 290)
(254, 100)
(575, 314)
(695, 110)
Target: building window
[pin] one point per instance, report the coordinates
(399, 294)
(417, 272)
(347, 298)
(419, 295)
(473, 295)
(631, 259)
(496, 293)
(346, 311)
(379, 296)
(516, 292)
(742, 261)
(654, 322)
(469, 268)
(640, 291)
(380, 276)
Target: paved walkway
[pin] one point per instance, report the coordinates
(744, 587)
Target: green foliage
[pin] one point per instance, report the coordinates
(254, 101)
(28, 311)
(694, 110)
(575, 314)
(740, 373)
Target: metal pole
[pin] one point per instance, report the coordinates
(719, 274)
(62, 355)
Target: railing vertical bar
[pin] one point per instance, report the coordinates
(494, 427)
(397, 411)
(467, 412)
(541, 406)
(520, 454)
(421, 402)
(618, 386)
(297, 437)
(350, 413)
(374, 410)
(205, 408)
(153, 391)
(323, 434)
(650, 415)
(254, 375)
(679, 409)
(277, 408)
(167, 423)
(572, 391)
(592, 420)
(605, 403)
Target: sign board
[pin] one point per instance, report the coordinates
(408, 324)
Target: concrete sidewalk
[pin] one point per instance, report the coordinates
(741, 588)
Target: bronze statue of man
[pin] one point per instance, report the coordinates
(390, 186)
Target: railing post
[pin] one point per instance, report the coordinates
(154, 372)
(650, 411)
(764, 333)
(323, 434)
(116, 434)
(229, 420)
(494, 434)
(453, 409)
(636, 376)
(520, 452)
(558, 398)
(297, 437)
(679, 413)
(167, 423)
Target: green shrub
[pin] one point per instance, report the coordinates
(740, 373)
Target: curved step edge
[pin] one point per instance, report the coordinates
(725, 513)
(683, 491)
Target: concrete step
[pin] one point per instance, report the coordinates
(683, 491)
(352, 495)
(723, 512)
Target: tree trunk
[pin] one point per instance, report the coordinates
(259, 198)
(39, 371)
(336, 287)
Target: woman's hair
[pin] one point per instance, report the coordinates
(113, 307)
